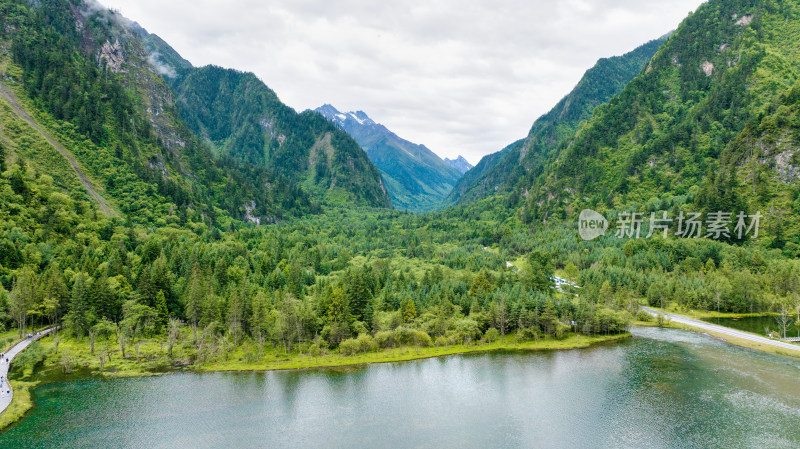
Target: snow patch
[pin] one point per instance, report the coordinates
(355, 117)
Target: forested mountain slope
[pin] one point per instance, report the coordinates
(712, 124)
(513, 168)
(245, 120)
(177, 279)
(416, 178)
(83, 73)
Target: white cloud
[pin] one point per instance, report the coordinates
(462, 77)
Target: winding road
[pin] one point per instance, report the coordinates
(6, 393)
(725, 330)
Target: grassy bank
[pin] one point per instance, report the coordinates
(66, 355)
(299, 361)
(21, 403)
(58, 358)
(705, 314)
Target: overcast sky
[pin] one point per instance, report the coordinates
(461, 77)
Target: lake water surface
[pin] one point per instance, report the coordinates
(759, 325)
(663, 389)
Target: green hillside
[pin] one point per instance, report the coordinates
(513, 168)
(159, 245)
(99, 99)
(245, 120)
(416, 178)
(710, 125)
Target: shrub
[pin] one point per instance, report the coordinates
(348, 347)
(441, 340)
(386, 339)
(562, 331)
(527, 334)
(422, 339)
(366, 343)
(404, 335)
(362, 344)
(491, 335)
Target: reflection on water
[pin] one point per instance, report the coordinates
(761, 325)
(662, 388)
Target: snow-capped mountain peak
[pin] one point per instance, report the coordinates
(341, 118)
(460, 164)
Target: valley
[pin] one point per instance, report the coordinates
(188, 229)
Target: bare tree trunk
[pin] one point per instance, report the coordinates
(174, 333)
(783, 318)
(502, 319)
(121, 339)
(260, 345)
(91, 342)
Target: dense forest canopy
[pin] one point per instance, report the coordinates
(225, 250)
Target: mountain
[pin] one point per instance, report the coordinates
(147, 134)
(710, 125)
(416, 178)
(244, 119)
(84, 80)
(460, 164)
(501, 172)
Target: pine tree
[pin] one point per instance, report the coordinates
(193, 296)
(410, 313)
(78, 318)
(480, 284)
(540, 277)
(235, 314)
(161, 308)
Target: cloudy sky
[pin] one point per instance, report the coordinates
(460, 76)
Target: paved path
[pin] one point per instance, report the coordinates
(5, 398)
(725, 330)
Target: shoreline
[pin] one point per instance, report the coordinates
(397, 355)
(741, 339)
(740, 342)
(10, 411)
(411, 354)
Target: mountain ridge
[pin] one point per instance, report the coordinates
(506, 171)
(460, 164)
(416, 178)
(710, 125)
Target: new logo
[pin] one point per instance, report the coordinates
(591, 224)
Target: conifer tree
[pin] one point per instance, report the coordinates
(78, 318)
(161, 309)
(410, 313)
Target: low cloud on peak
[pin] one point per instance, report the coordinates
(462, 77)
